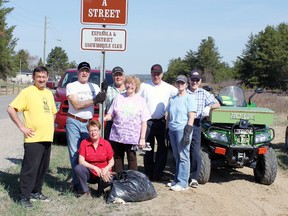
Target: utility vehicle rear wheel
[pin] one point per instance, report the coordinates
(286, 138)
(266, 168)
(205, 168)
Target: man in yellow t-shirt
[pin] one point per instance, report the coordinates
(38, 107)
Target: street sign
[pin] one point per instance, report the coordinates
(104, 12)
(103, 39)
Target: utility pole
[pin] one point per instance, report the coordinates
(44, 52)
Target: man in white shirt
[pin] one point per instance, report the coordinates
(156, 93)
(82, 96)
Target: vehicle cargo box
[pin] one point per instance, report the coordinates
(263, 116)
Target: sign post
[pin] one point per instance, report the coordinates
(103, 12)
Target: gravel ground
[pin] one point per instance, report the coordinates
(11, 145)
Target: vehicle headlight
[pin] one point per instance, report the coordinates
(222, 137)
(262, 137)
(58, 104)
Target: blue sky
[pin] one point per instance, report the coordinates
(157, 30)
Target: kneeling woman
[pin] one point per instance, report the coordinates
(95, 160)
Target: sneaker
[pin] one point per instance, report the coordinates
(194, 183)
(39, 196)
(170, 184)
(178, 187)
(25, 202)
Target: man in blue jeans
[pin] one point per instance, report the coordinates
(82, 95)
(205, 102)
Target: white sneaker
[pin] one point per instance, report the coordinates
(170, 184)
(178, 188)
(194, 183)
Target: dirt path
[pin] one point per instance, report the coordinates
(229, 192)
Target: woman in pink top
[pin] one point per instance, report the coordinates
(129, 113)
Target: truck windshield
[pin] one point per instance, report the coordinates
(94, 78)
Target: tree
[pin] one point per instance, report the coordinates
(206, 59)
(264, 61)
(7, 45)
(175, 68)
(40, 62)
(57, 61)
(72, 64)
(21, 60)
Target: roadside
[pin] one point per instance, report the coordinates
(11, 147)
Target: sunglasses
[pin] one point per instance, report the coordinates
(195, 80)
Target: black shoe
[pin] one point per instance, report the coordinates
(39, 196)
(25, 202)
(75, 189)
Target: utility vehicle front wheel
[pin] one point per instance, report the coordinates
(205, 169)
(266, 168)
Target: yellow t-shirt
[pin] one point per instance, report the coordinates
(38, 107)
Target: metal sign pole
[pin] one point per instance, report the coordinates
(102, 106)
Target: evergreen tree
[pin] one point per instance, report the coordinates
(264, 62)
(57, 61)
(7, 45)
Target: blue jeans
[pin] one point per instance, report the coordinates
(76, 131)
(182, 157)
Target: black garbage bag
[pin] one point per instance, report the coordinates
(131, 186)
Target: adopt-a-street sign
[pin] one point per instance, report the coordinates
(103, 39)
(104, 12)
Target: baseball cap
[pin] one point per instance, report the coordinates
(83, 65)
(156, 68)
(195, 74)
(181, 78)
(117, 70)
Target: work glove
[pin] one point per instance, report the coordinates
(104, 86)
(186, 137)
(100, 98)
(206, 111)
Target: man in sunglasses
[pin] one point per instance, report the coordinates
(205, 102)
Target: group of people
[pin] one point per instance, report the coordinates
(136, 113)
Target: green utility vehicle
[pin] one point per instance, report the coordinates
(238, 134)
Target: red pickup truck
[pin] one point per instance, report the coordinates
(61, 99)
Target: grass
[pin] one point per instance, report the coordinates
(56, 186)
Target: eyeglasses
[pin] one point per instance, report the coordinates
(156, 74)
(93, 130)
(84, 70)
(180, 83)
(195, 80)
